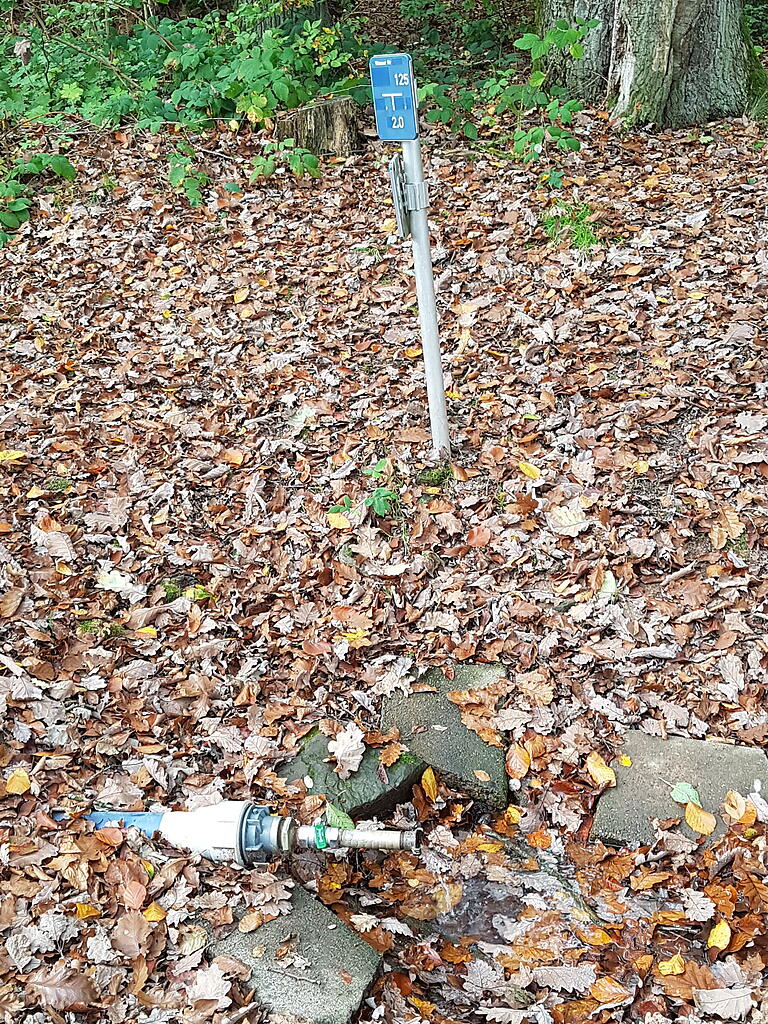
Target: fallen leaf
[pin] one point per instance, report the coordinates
(675, 965)
(155, 912)
(339, 521)
(684, 793)
(429, 784)
(478, 536)
(601, 773)
(608, 990)
(699, 820)
(727, 1003)
(61, 989)
(735, 805)
(481, 775)
(348, 749)
(12, 456)
(17, 782)
(518, 761)
(720, 936)
(531, 471)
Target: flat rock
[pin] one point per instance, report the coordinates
(365, 793)
(328, 991)
(431, 727)
(625, 813)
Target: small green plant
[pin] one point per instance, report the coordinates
(57, 484)
(435, 477)
(16, 188)
(378, 471)
(184, 175)
(90, 627)
(172, 590)
(573, 222)
(384, 501)
(285, 153)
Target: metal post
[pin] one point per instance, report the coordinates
(417, 201)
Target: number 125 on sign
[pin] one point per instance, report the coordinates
(394, 97)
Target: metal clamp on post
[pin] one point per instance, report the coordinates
(397, 182)
(416, 195)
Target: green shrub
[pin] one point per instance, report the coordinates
(74, 59)
(756, 19)
(16, 188)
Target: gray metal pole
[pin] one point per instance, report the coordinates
(425, 290)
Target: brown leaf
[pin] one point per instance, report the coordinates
(61, 988)
(130, 933)
(10, 601)
(478, 536)
(695, 976)
(518, 761)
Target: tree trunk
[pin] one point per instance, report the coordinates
(328, 127)
(665, 62)
(587, 78)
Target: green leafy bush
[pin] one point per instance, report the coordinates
(756, 20)
(76, 59)
(502, 92)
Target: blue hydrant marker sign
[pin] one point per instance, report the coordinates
(394, 97)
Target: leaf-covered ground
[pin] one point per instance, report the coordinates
(186, 393)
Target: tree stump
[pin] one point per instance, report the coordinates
(325, 128)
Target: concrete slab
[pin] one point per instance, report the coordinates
(431, 727)
(341, 965)
(624, 814)
(365, 793)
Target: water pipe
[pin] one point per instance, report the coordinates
(237, 830)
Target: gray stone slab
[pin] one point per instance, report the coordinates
(365, 793)
(322, 993)
(625, 813)
(431, 727)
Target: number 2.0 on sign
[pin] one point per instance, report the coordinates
(394, 97)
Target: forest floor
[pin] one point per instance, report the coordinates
(185, 395)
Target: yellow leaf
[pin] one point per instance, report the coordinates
(84, 910)
(734, 805)
(720, 936)
(17, 782)
(641, 466)
(429, 783)
(699, 820)
(606, 990)
(593, 935)
(389, 226)
(601, 773)
(339, 521)
(154, 912)
(531, 471)
(480, 774)
(625, 761)
(413, 352)
(675, 965)
(35, 491)
(147, 631)
(12, 456)
(240, 295)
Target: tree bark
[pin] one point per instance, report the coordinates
(663, 62)
(325, 128)
(587, 78)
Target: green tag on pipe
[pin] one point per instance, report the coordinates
(321, 840)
